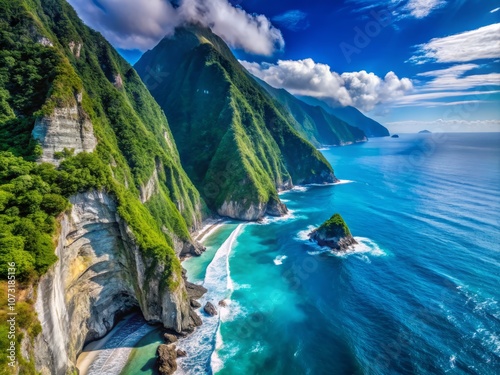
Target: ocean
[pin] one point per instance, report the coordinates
(419, 294)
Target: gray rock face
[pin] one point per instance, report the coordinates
(151, 188)
(339, 243)
(241, 210)
(276, 208)
(66, 128)
(100, 275)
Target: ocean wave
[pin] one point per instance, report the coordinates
(339, 182)
(365, 247)
(279, 259)
(202, 343)
(289, 216)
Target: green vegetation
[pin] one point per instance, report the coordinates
(49, 59)
(236, 143)
(335, 227)
(314, 123)
(31, 196)
(351, 116)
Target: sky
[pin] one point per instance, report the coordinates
(409, 64)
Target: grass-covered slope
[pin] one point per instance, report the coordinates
(237, 145)
(50, 60)
(352, 116)
(314, 123)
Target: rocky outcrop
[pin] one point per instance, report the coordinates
(169, 338)
(276, 208)
(333, 233)
(67, 128)
(167, 355)
(150, 188)
(101, 275)
(210, 309)
(75, 48)
(253, 211)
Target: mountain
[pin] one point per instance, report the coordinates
(352, 116)
(314, 123)
(236, 143)
(95, 207)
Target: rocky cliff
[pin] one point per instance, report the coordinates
(68, 98)
(101, 274)
(66, 128)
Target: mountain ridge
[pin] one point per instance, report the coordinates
(352, 116)
(315, 124)
(248, 148)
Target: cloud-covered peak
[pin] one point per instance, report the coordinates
(133, 24)
(362, 90)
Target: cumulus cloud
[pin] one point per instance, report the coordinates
(481, 43)
(293, 20)
(253, 33)
(362, 90)
(131, 24)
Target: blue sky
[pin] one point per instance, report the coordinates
(410, 64)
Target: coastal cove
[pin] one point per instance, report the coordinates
(417, 295)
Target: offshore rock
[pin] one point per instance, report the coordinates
(167, 355)
(169, 338)
(333, 233)
(210, 309)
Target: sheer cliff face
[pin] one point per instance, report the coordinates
(238, 146)
(100, 275)
(68, 128)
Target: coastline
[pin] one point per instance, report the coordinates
(105, 350)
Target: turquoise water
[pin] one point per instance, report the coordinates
(418, 296)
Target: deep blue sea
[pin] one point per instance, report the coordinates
(419, 295)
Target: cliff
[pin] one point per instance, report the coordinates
(95, 207)
(238, 145)
(101, 274)
(333, 233)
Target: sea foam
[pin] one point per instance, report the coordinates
(202, 344)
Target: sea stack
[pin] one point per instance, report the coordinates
(333, 233)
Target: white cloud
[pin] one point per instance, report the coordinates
(422, 8)
(454, 78)
(427, 97)
(401, 9)
(253, 33)
(495, 10)
(306, 77)
(482, 43)
(133, 24)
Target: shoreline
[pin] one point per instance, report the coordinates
(93, 351)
